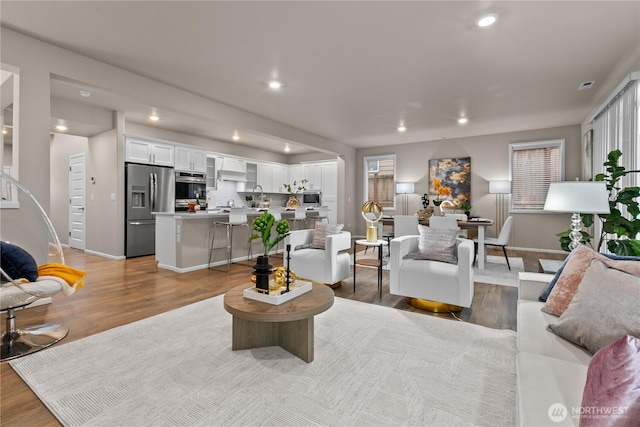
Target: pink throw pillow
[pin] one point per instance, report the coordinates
(571, 276)
(612, 393)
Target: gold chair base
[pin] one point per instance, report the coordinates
(433, 306)
(334, 285)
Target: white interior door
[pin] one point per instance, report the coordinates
(77, 201)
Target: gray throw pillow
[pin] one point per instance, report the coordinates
(438, 244)
(321, 231)
(604, 308)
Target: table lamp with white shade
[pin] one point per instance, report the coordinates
(577, 197)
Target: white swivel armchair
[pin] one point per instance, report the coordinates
(329, 265)
(431, 285)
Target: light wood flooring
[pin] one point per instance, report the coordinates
(121, 292)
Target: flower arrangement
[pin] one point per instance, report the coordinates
(296, 187)
(263, 225)
(440, 191)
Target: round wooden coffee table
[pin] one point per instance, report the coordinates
(288, 325)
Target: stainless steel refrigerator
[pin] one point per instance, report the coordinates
(149, 189)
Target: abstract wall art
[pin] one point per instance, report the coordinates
(450, 180)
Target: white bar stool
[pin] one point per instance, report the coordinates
(323, 213)
(300, 214)
(237, 218)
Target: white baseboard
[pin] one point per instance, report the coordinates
(553, 251)
(201, 266)
(113, 257)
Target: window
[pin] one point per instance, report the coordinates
(534, 165)
(379, 179)
(617, 127)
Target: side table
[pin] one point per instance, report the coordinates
(380, 244)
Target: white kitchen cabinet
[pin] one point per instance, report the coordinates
(212, 169)
(265, 177)
(313, 173)
(190, 159)
(279, 178)
(295, 174)
(252, 177)
(330, 178)
(149, 152)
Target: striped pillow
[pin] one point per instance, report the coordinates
(321, 231)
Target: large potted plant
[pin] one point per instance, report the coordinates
(614, 223)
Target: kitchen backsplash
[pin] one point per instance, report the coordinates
(228, 190)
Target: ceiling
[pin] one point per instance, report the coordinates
(352, 70)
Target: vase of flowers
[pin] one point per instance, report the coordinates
(441, 191)
(263, 225)
(293, 189)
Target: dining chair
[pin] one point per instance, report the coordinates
(502, 240)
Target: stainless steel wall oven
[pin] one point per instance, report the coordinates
(190, 186)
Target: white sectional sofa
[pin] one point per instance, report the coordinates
(551, 371)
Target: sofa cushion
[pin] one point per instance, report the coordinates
(543, 384)
(18, 263)
(533, 336)
(571, 276)
(437, 244)
(604, 309)
(545, 294)
(613, 383)
(321, 231)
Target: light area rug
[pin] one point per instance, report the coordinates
(373, 366)
(496, 271)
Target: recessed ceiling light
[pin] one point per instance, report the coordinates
(275, 84)
(154, 118)
(487, 20)
(402, 128)
(236, 137)
(287, 149)
(61, 128)
(85, 93)
(463, 120)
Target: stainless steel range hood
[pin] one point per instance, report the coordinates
(232, 170)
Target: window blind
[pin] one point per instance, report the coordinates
(617, 126)
(533, 168)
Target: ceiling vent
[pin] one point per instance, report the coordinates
(586, 85)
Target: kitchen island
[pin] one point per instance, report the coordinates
(183, 239)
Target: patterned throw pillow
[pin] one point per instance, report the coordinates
(321, 231)
(437, 244)
(572, 274)
(604, 309)
(545, 295)
(613, 384)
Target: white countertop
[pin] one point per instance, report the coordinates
(216, 213)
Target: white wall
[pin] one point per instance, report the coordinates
(489, 161)
(105, 217)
